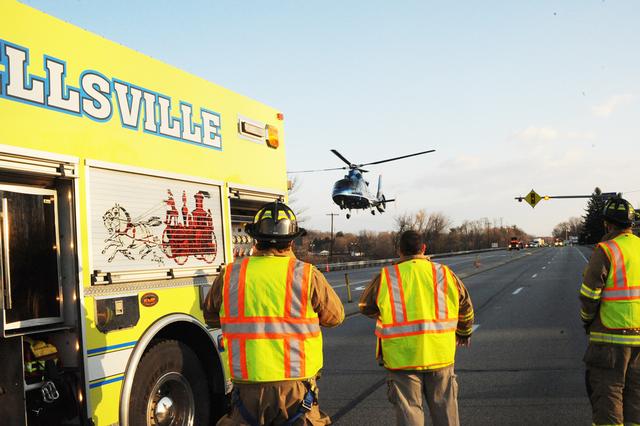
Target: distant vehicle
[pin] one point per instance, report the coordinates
(514, 243)
(533, 244)
(558, 242)
(352, 191)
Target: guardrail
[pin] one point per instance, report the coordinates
(341, 266)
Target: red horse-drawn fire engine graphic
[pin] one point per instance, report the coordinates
(185, 233)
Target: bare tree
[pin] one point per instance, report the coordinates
(572, 226)
(294, 185)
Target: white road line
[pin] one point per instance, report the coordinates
(360, 288)
(582, 255)
(534, 275)
(544, 267)
(518, 290)
(474, 327)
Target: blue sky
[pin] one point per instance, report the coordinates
(512, 95)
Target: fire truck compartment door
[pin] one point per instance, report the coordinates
(31, 281)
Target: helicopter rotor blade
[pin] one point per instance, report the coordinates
(340, 156)
(317, 170)
(396, 158)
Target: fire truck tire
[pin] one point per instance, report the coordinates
(169, 388)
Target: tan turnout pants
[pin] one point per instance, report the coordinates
(613, 375)
(440, 390)
(273, 404)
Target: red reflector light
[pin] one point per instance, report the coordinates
(280, 116)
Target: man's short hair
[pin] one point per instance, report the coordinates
(616, 226)
(411, 242)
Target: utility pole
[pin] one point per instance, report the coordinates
(331, 242)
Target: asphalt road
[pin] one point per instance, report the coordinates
(524, 366)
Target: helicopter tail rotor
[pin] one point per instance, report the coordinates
(381, 204)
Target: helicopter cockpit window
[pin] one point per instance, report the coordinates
(342, 185)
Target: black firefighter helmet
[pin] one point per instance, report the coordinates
(619, 211)
(275, 222)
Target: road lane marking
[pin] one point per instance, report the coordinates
(360, 288)
(580, 253)
(518, 290)
(534, 275)
(474, 327)
(544, 267)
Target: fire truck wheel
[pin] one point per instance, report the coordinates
(169, 388)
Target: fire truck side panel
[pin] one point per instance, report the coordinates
(109, 354)
(157, 149)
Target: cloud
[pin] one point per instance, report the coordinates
(585, 136)
(610, 105)
(539, 134)
(533, 133)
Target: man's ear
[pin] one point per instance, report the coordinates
(423, 249)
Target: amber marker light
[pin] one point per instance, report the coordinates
(280, 116)
(272, 137)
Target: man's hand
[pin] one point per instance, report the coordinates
(464, 341)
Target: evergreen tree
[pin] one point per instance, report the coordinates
(592, 224)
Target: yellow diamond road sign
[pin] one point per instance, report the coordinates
(532, 198)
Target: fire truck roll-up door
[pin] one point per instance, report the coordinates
(40, 344)
(244, 203)
(149, 225)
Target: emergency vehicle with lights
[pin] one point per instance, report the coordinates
(124, 187)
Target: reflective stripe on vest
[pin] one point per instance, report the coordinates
(440, 290)
(416, 328)
(620, 298)
(267, 343)
(270, 329)
(397, 296)
(421, 314)
(617, 271)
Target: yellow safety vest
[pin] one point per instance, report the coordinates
(270, 329)
(419, 303)
(620, 299)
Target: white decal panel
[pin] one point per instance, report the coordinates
(142, 222)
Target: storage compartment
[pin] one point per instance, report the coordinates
(53, 395)
(40, 345)
(244, 204)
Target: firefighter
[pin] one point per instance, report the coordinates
(423, 312)
(270, 307)
(610, 299)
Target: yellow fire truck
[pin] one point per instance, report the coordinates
(124, 186)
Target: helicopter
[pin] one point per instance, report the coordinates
(352, 191)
